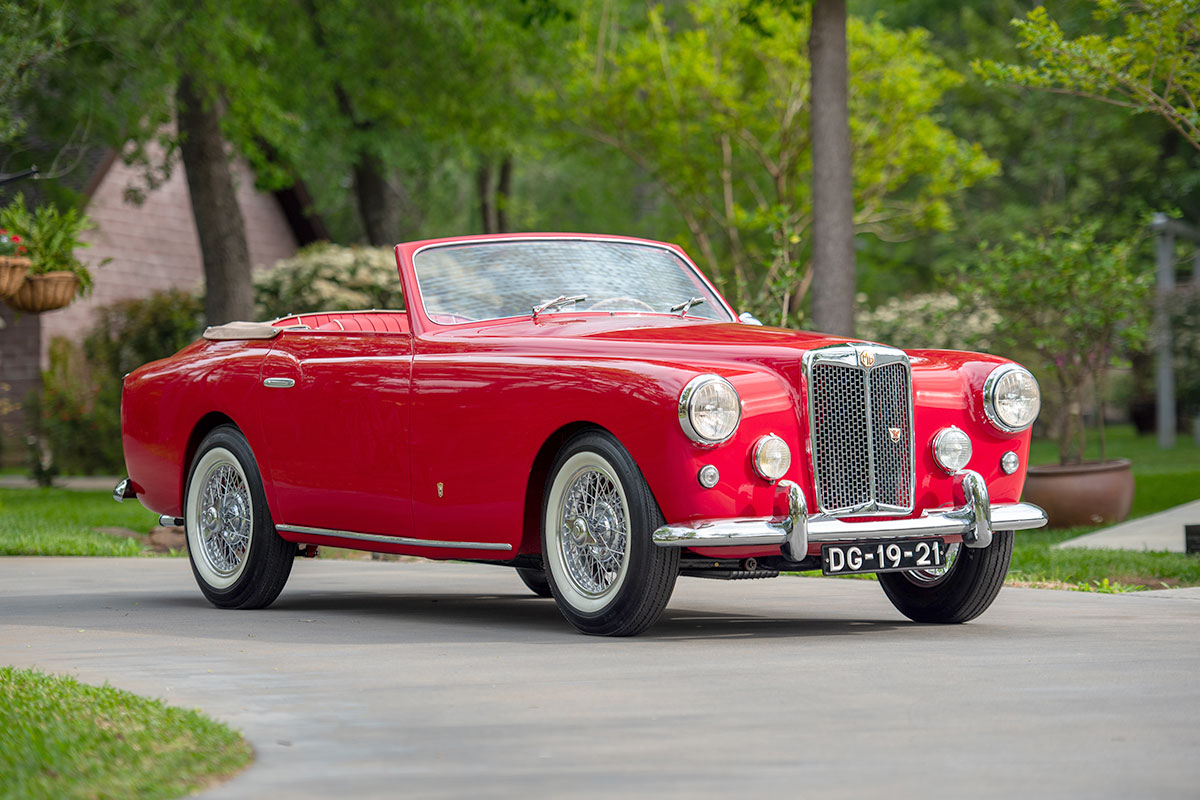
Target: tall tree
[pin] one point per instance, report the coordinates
(716, 111)
(832, 173)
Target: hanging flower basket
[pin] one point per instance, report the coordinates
(45, 292)
(12, 274)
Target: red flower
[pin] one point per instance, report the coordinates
(21, 250)
(15, 239)
(3, 232)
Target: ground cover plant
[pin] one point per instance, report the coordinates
(64, 739)
(61, 522)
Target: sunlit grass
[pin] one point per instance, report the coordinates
(60, 522)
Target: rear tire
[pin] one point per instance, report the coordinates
(964, 592)
(607, 575)
(536, 580)
(237, 557)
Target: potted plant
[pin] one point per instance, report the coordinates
(13, 263)
(1073, 300)
(55, 275)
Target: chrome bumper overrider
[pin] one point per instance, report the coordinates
(974, 520)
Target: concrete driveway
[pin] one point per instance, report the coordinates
(370, 679)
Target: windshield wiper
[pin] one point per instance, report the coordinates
(561, 300)
(686, 306)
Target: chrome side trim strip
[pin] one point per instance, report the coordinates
(975, 521)
(279, 383)
(404, 540)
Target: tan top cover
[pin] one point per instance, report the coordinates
(241, 330)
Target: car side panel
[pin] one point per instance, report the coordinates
(163, 402)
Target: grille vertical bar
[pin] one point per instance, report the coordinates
(860, 416)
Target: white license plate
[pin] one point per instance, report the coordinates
(895, 555)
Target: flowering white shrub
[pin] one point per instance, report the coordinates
(936, 320)
(328, 277)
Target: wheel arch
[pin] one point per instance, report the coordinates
(204, 426)
(535, 488)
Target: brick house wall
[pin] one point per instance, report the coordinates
(153, 247)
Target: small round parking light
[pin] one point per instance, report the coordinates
(951, 449)
(708, 476)
(772, 457)
(1010, 462)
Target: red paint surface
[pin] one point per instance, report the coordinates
(387, 406)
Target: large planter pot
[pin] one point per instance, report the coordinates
(44, 292)
(1095, 493)
(12, 274)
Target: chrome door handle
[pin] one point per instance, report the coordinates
(279, 383)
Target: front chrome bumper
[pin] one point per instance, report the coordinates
(974, 520)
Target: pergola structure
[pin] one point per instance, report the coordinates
(1167, 230)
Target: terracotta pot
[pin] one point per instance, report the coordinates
(45, 292)
(12, 274)
(1093, 493)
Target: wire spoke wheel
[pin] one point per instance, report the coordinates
(593, 523)
(930, 577)
(225, 519)
(607, 576)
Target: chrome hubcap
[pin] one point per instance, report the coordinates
(593, 531)
(928, 577)
(225, 523)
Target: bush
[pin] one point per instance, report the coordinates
(934, 320)
(79, 410)
(327, 277)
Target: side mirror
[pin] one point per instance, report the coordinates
(749, 318)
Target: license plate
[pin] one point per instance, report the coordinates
(890, 556)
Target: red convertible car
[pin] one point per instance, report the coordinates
(590, 411)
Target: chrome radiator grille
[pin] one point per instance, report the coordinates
(860, 417)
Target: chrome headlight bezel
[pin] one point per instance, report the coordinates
(759, 446)
(990, 387)
(686, 407)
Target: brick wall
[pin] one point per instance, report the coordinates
(19, 374)
(154, 246)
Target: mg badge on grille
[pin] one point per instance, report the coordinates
(866, 358)
(894, 433)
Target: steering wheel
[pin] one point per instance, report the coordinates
(620, 303)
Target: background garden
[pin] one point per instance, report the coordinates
(1007, 162)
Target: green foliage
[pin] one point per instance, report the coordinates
(31, 36)
(1152, 66)
(79, 408)
(61, 522)
(64, 739)
(1069, 297)
(51, 237)
(937, 320)
(325, 277)
(716, 110)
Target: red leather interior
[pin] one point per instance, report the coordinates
(372, 321)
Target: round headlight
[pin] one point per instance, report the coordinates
(709, 409)
(951, 449)
(772, 457)
(1011, 398)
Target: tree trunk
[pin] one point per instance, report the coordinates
(832, 176)
(503, 192)
(375, 200)
(228, 292)
(487, 206)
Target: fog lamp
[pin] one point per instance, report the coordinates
(772, 457)
(951, 449)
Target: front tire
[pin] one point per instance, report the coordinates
(237, 557)
(535, 580)
(607, 575)
(964, 591)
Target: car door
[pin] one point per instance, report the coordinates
(335, 410)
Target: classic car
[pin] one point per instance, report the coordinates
(590, 411)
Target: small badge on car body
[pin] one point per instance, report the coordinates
(439, 488)
(866, 358)
(894, 433)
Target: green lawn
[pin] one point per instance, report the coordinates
(63, 739)
(60, 522)
(1123, 442)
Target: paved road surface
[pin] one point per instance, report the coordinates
(370, 679)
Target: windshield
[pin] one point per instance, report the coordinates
(490, 280)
